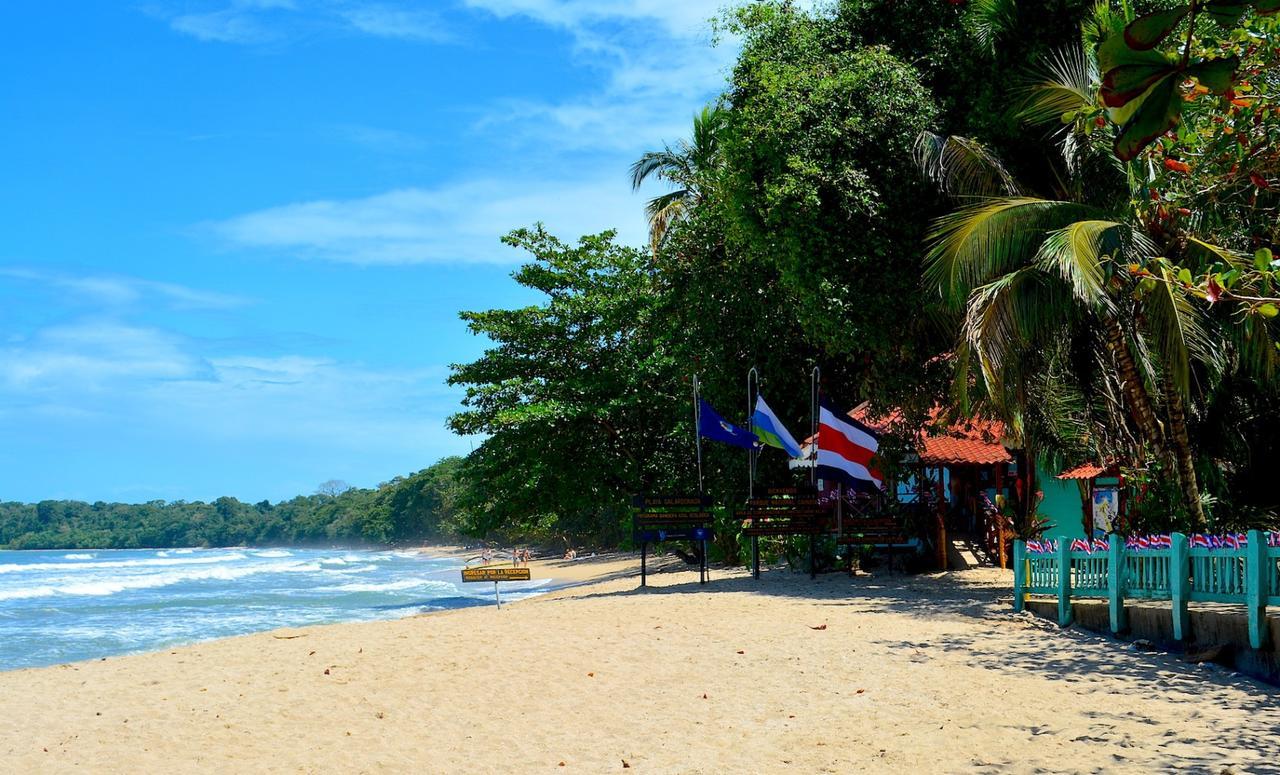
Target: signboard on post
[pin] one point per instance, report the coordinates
(495, 574)
(672, 518)
(784, 511)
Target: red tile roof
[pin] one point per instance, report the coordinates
(1087, 471)
(967, 442)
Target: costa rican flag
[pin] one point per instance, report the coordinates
(1200, 541)
(1161, 542)
(845, 450)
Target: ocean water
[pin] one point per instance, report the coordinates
(65, 606)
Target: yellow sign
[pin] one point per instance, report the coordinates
(495, 574)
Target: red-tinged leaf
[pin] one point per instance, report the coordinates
(1145, 32)
(1216, 75)
(1123, 84)
(1161, 110)
(1176, 166)
(1258, 180)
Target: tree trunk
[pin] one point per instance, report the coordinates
(1181, 445)
(1131, 382)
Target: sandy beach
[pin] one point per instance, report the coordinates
(871, 674)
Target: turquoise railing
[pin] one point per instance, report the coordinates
(1241, 569)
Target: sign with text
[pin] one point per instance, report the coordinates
(495, 574)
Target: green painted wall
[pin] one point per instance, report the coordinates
(1061, 506)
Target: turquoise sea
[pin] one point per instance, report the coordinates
(65, 606)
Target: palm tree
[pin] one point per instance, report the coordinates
(687, 167)
(1028, 274)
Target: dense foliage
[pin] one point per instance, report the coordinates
(412, 508)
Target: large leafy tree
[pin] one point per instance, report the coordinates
(815, 150)
(579, 396)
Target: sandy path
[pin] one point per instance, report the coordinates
(921, 674)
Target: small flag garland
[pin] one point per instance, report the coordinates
(1152, 542)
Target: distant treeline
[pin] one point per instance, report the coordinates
(411, 508)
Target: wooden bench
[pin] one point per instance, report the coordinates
(874, 532)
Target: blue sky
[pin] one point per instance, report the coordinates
(235, 234)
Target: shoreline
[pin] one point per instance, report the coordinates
(880, 673)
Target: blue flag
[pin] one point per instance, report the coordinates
(712, 426)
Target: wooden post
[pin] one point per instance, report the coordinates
(1256, 569)
(1115, 582)
(1064, 581)
(644, 556)
(1180, 584)
(1019, 574)
(755, 556)
(941, 518)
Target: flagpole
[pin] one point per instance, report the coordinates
(753, 378)
(697, 430)
(815, 378)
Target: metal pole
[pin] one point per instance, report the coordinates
(497, 596)
(753, 378)
(752, 455)
(815, 377)
(697, 430)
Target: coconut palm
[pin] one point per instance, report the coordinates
(687, 167)
(1028, 274)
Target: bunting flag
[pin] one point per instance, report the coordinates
(770, 430)
(845, 450)
(712, 426)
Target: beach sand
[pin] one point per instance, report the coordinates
(884, 673)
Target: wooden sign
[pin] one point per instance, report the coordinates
(495, 574)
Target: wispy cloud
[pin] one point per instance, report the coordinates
(451, 224)
(118, 290)
(391, 22)
(133, 396)
(91, 355)
(266, 21)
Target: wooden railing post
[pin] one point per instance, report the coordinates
(1256, 568)
(1179, 584)
(1064, 581)
(1019, 574)
(1115, 582)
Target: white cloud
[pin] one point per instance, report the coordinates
(390, 22)
(121, 291)
(451, 224)
(92, 355)
(141, 381)
(263, 21)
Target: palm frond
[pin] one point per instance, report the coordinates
(1078, 252)
(659, 164)
(1007, 316)
(663, 211)
(1179, 331)
(962, 167)
(991, 19)
(974, 244)
(1065, 81)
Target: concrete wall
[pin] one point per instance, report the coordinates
(1061, 506)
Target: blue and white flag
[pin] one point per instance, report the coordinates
(712, 426)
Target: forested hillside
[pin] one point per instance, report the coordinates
(406, 509)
